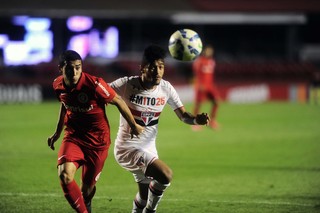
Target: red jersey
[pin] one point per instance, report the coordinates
(86, 121)
(203, 69)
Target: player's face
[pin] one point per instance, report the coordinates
(72, 72)
(208, 52)
(153, 73)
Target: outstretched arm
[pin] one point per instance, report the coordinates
(188, 118)
(136, 129)
(52, 139)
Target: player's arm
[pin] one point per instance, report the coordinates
(52, 139)
(136, 129)
(188, 118)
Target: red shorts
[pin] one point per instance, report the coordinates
(210, 93)
(92, 161)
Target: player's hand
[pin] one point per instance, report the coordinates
(202, 119)
(136, 130)
(52, 140)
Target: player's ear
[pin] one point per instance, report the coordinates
(60, 69)
(143, 68)
(61, 65)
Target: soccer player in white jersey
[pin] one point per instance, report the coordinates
(146, 96)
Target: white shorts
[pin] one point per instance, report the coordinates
(135, 160)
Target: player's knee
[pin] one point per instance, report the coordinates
(65, 178)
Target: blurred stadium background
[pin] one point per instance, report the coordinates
(264, 159)
(265, 50)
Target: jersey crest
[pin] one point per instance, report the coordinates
(147, 116)
(83, 97)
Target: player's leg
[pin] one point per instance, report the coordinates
(91, 171)
(72, 193)
(162, 176)
(197, 107)
(68, 156)
(213, 114)
(141, 158)
(88, 193)
(214, 98)
(199, 96)
(140, 200)
(88, 189)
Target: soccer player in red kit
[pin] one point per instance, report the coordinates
(87, 133)
(205, 88)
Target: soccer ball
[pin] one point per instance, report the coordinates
(185, 45)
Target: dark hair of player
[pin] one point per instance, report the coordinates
(67, 56)
(152, 53)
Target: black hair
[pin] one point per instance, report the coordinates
(153, 52)
(67, 56)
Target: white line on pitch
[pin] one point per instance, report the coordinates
(169, 200)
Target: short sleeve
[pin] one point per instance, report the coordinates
(119, 85)
(56, 90)
(104, 91)
(174, 99)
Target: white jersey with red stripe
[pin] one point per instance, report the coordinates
(146, 106)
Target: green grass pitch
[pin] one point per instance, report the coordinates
(265, 158)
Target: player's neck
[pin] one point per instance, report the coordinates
(68, 84)
(147, 85)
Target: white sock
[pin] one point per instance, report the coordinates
(155, 194)
(138, 204)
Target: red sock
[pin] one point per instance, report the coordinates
(74, 196)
